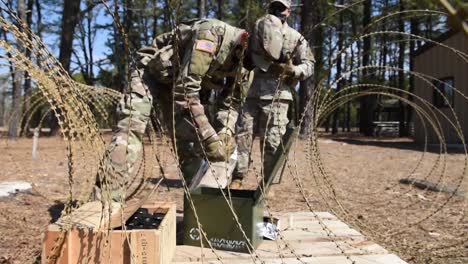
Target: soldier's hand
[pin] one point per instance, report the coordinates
(220, 148)
(277, 68)
(214, 150)
(229, 142)
(282, 68)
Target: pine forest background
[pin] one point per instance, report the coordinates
(83, 36)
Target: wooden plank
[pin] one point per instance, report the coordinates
(93, 215)
(269, 250)
(89, 215)
(309, 241)
(307, 249)
(314, 232)
(364, 259)
(167, 242)
(307, 215)
(191, 253)
(314, 225)
(50, 238)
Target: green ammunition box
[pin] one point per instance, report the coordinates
(218, 221)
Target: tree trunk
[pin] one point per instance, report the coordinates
(401, 74)
(340, 36)
(354, 28)
(129, 21)
(384, 45)
(413, 47)
(119, 51)
(86, 35)
(37, 116)
(70, 18)
(348, 104)
(3, 85)
(220, 11)
(366, 110)
(17, 84)
(27, 80)
(311, 16)
(345, 108)
(167, 23)
(91, 34)
(155, 19)
(329, 118)
(40, 27)
(201, 8)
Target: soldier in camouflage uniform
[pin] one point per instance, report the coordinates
(268, 100)
(210, 55)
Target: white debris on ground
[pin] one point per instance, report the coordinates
(327, 141)
(7, 188)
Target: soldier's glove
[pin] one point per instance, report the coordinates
(228, 140)
(283, 68)
(220, 147)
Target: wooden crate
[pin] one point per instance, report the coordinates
(91, 245)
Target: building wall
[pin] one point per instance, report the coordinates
(440, 62)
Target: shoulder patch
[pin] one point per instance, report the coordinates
(206, 46)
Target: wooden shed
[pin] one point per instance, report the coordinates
(450, 72)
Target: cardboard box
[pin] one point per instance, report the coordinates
(90, 245)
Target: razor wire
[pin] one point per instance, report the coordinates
(79, 142)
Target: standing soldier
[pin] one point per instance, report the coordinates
(211, 54)
(266, 108)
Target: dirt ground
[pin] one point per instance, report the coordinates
(353, 177)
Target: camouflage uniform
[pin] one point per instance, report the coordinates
(265, 111)
(207, 61)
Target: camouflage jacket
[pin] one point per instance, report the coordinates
(295, 48)
(206, 61)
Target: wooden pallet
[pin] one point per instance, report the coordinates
(88, 241)
(304, 233)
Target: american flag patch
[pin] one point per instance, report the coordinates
(205, 45)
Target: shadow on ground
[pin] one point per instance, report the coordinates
(55, 211)
(171, 183)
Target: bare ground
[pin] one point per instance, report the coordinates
(358, 182)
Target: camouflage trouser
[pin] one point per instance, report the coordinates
(266, 119)
(134, 109)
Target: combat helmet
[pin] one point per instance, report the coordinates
(286, 3)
